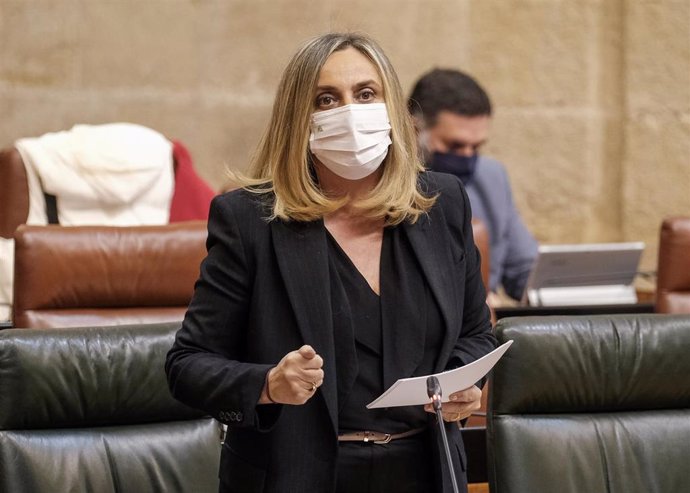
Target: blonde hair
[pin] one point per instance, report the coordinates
(281, 163)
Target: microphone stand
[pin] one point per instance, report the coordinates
(433, 390)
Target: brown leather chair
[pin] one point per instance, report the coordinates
(474, 430)
(673, 269)
(99, 275)
(481, 239)
(14, 197)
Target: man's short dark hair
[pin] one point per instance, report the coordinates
(449, 90)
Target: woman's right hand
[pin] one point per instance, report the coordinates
(295, 378)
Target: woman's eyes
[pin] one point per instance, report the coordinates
(325, 101)
(367, 95)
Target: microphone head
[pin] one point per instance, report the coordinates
(433, 387)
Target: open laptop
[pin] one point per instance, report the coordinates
(584, 274)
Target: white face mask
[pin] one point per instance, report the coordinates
(352, 141)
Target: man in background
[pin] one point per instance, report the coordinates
(452, 114)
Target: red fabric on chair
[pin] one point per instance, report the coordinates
(192, 196)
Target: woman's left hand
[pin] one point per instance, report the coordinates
(461, 405)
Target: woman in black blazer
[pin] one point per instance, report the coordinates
(339, 267)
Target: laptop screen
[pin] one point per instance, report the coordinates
(583, 265)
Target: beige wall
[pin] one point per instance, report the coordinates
(592, 96)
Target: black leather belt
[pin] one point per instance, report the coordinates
(377, 436)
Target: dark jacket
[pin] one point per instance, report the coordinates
(263, 292)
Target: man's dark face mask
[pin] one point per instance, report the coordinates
(461, 166)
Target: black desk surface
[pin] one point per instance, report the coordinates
(526, 311)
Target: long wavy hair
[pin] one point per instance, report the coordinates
(282, 162)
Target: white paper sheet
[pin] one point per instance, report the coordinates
(412, 391)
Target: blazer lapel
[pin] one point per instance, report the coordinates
(430, 241)
(302, 255)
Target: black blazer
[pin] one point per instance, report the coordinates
(263, 292)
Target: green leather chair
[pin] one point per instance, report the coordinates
(88, 410)
(591, 404)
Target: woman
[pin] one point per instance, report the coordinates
(339, 268)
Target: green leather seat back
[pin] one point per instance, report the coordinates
(88, 410)
(591, 404)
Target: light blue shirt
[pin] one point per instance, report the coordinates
(512, 247)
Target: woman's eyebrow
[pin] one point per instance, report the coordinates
(327, 88)
(370, 82)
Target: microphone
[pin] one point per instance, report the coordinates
(433, 390)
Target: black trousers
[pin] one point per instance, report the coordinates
(400, 466)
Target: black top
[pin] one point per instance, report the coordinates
(363, 318)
